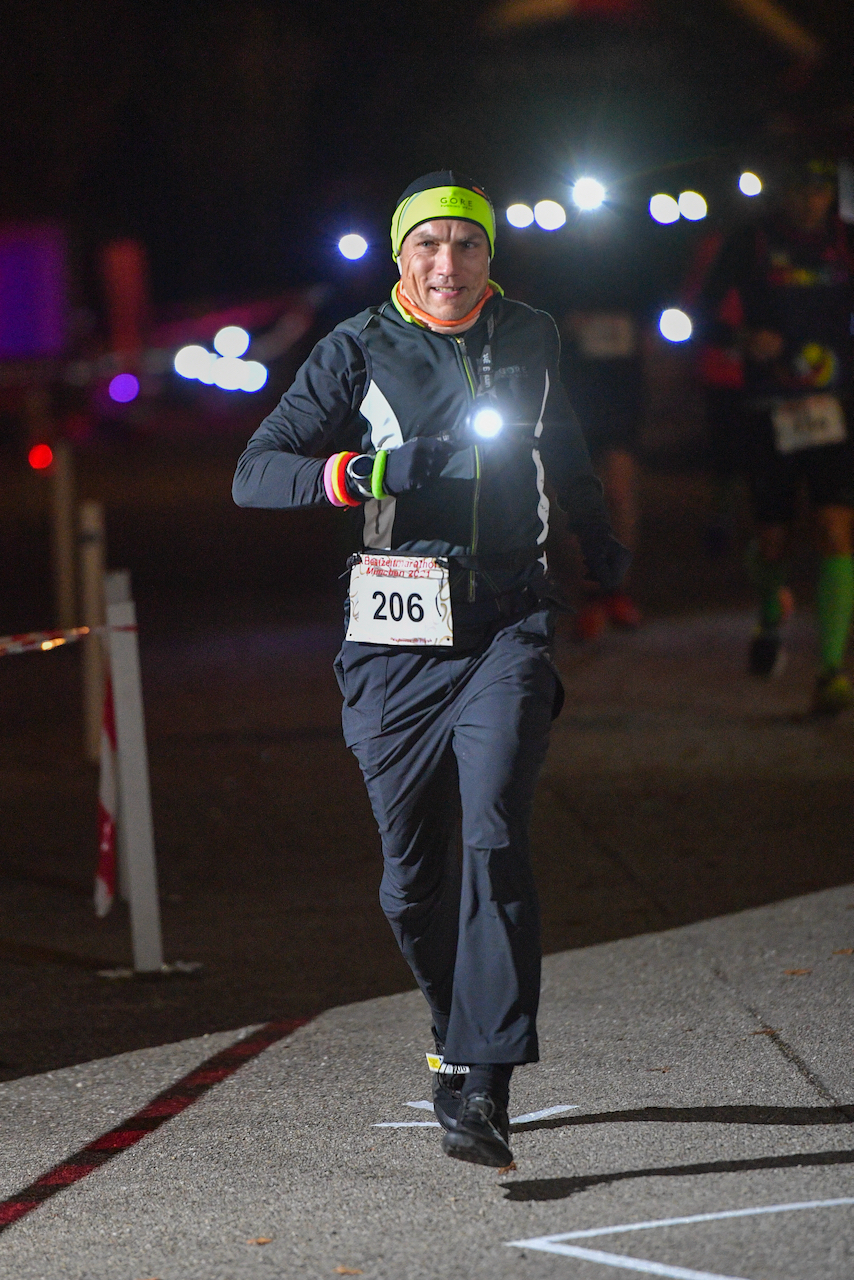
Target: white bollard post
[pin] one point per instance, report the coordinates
(137, 841)
(62, 536)
(117, 591)
(91, 537)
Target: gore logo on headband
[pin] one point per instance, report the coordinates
(442, 202)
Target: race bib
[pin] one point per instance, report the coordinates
(400, 600)
(804, 424)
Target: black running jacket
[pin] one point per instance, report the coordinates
(380, 379)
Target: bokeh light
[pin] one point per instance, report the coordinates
(549, 215)
(254, 375)
(588, 193)
(192, 362)
(519, 215)
(749, 184)
(123, 388)
(231, 341)
(228, 373)
(692, 206)
(664, 208)
(675, 326)
(353, 246)
(40, 456)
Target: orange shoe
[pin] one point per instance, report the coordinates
(622, 611)
(590, 621)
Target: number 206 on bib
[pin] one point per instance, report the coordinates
(400, 600)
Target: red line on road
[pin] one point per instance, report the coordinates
(171, 1102)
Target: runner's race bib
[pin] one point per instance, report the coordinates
(400, 600)
(807, 423)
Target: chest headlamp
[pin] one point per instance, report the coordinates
(486, 421)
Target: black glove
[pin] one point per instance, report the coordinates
(607, 560)
(415, 464)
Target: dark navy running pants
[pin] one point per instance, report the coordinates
(436, 733)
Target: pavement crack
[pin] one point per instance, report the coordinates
(788, 1052)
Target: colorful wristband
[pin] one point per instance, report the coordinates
(334, 482)
(339, 479)
(327, 482)
(378, 474)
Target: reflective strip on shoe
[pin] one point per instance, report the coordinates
(436, 1062)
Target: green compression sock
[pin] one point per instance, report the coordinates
(768, 576)
(835, 602)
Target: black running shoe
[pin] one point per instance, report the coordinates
(448, 1080)
(481, 1134)
(766, 655)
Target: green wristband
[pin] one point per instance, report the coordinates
(377, 475)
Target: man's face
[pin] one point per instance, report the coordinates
(444, 267)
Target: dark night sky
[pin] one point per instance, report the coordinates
(238, 138)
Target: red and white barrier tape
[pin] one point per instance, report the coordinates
(40, 640)
(45, 640)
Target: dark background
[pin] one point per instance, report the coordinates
(239, 139)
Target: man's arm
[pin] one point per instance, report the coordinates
(279, 467)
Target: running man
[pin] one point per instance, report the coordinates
(793, 273)
(440, 413)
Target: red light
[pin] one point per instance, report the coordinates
(40, 456)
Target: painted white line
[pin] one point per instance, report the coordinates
(627, 1264)
(434, 1124)
(703, 1217)
(407, 1124)
(542, 1115)
(554, 1244)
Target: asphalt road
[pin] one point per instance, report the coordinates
(703, 1072)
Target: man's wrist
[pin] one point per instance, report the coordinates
(335, 480)
(358, 476)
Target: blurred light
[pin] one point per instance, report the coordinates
(692, 206)
(353, 246)
(228, 373)
(192, 362)
(675, 326)
(231, 341)
(587, 193)
(254, 375)
(549, 215)
(519, 215)
(749, 184)
(487, 423)
(40, 456)
(664, 209)
(123, 388)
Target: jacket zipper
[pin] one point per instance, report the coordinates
(467, 370)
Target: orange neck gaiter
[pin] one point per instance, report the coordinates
(446, 326)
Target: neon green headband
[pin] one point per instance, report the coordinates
(441, 202)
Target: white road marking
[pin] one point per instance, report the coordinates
(407, 1124)
(627, 1264)
(701, 1217)
(555, 1243)
(542, 1115)
(434, 1124)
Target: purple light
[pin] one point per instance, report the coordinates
(124, 388)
